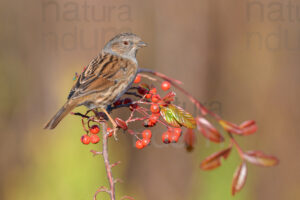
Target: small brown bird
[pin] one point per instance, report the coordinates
(105, 79)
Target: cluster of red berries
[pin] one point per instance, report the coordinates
(145, 141)
(171, 136)
(122, 101)
(93, 137)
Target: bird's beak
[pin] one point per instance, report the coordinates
(141, 44)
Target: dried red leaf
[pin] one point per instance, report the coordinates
(247, 123)
(239, 178)
(169, 97)
(121, 123)
(189, 139)
(213, 161)
(208, 130)
(259, 158)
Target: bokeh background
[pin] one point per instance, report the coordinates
(241, 58)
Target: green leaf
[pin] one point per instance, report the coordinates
(172, 114)
(167, 114)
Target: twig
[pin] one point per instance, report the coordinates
(108, 166)
(106, 162)
(176, 83)
(148, 77)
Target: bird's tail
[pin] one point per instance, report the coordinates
(70, 105)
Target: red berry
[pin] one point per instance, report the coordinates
(137, 79)
(150, 124)
(145, 141)
(94, 129)
(154, 108)
(127, 101)
(177, 131)
(148, 96)
(142, 91)
(133, 106)
(147, 134)
(165, 85)
(85, 139)
(153, 91)
(110, 132)
(155, 98)
(118, 102)
(139, 144)
(166, 137)
(174, 138)
(153, 118)
(94, 139)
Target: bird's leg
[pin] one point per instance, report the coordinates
(115, 126)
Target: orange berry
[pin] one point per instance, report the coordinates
(166, 137)
(94, 139)
(177, 131)
(110, 132)
(154, 108)
(137, 79)
(94, 129)
(148, 96)
(139, 144)
(153, 91)
(85, 139)
(155, 98)
(153, 118)
(174, 138)
(145, 141)
(147, 134)
(165, 85)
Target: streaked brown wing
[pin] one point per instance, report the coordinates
(98, 76)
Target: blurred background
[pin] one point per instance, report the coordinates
(240, 58)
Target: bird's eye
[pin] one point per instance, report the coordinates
(125, 43)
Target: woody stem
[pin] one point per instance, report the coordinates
(106, 162)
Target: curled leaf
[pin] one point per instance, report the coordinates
(176, 116)
(213, 161)
(189, 139)
(248, 127)
(239, 178)
(259, 158)
(208, 130)
(121, 123)
(230, 127)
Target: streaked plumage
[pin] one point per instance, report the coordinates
(106, 78)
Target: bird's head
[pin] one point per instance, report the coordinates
(125, 45)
